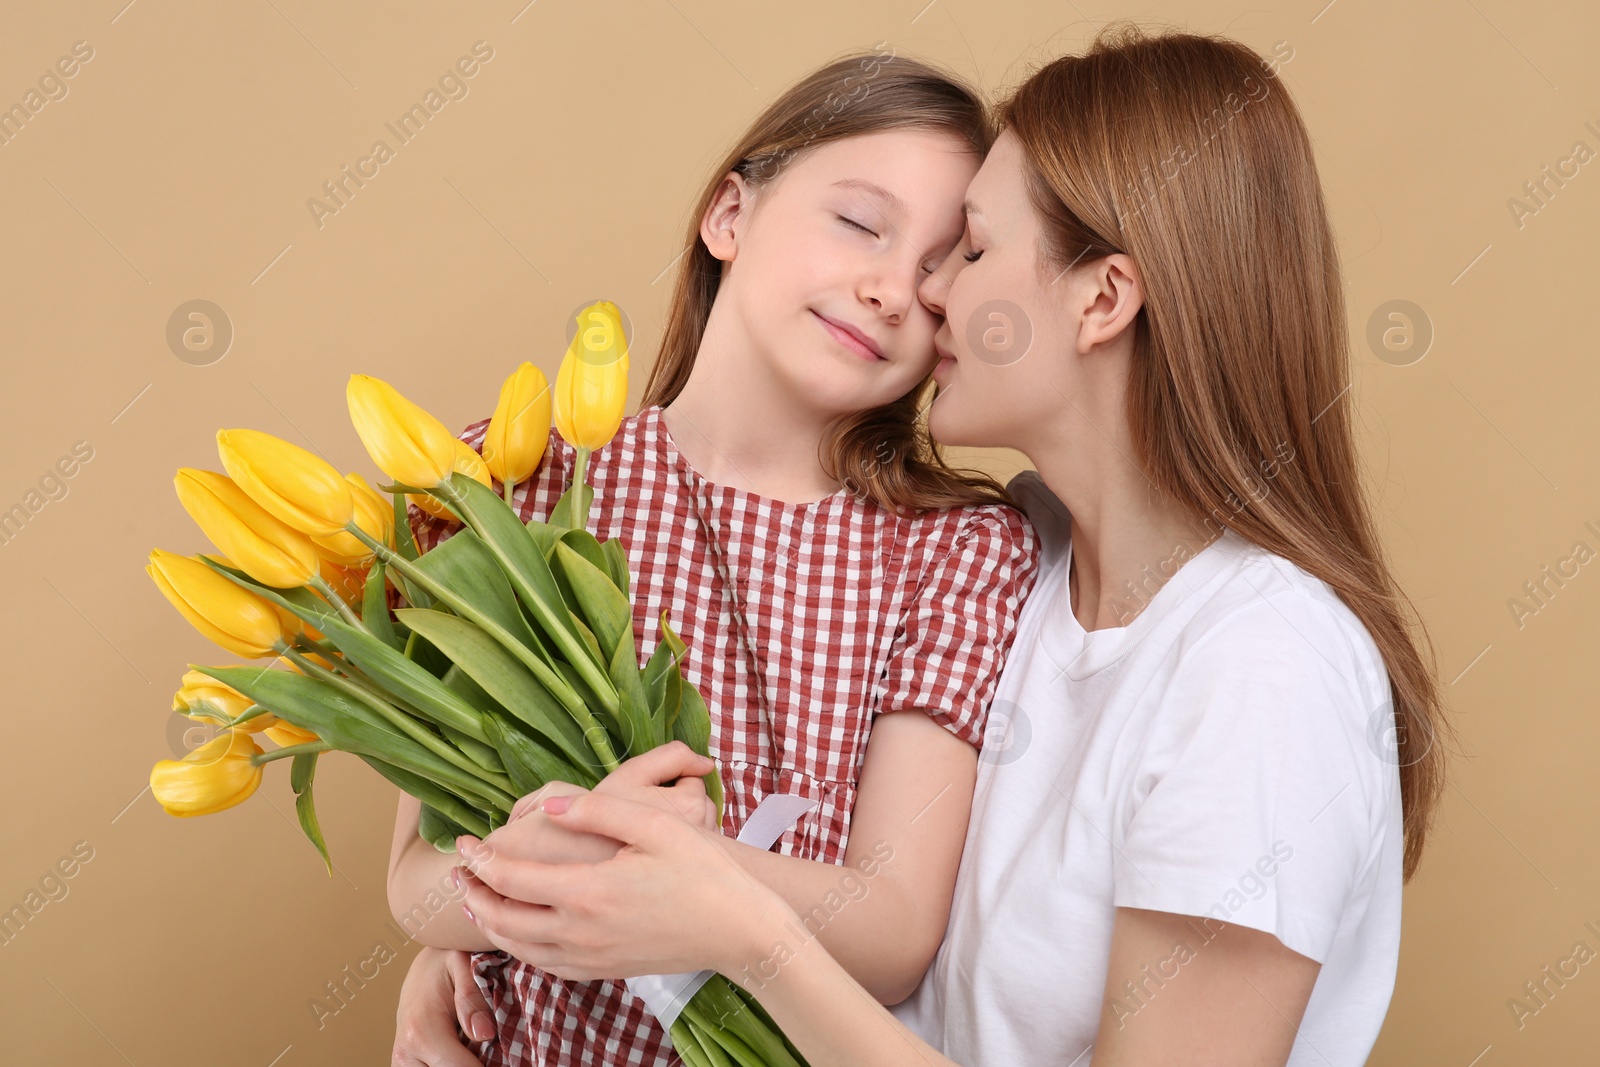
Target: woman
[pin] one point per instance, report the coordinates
(1191, 848)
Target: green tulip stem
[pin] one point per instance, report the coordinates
(291, 750)
(497, 788)
(580, 471)
(542, 671)
(507, 489)
(321, 585)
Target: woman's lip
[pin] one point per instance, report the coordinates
(848, 339)
(943, 367)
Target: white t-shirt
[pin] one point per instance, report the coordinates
(1225, 754)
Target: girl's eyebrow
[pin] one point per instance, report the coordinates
(969, 208)
(872, 189)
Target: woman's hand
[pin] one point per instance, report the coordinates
(439, 990)
(529, 834)
(652, 908)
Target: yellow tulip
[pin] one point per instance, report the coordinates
(235, 618)
(301, 489)
(520, 429)
(286, 734)
(267, 549)
(592, 385)
(213, 777)
(468, 462)
(375, 516)
(408, 444)
(203, 697)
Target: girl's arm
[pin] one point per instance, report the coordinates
(1236, 1000)
(422, 896)
(883, 913)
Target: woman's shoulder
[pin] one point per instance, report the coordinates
(1267, 616)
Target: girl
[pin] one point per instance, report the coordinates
(1222, 760)
(825, 569)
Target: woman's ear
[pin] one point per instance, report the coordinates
(1113, 295)
(719, 227)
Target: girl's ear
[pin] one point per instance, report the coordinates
(719, 227)
(1113, 295)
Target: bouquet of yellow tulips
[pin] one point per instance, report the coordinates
(509, 662)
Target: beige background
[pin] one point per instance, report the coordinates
(178, 167)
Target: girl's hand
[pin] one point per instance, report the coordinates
(643, 778)
(672, 899)
(439, 992)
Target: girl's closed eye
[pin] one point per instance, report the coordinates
(852, 222)
(972, 256)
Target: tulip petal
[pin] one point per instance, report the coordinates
(299, 488)
(407, 443)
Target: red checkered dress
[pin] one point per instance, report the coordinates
(803, 622)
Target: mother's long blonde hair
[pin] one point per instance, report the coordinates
(1186, 153)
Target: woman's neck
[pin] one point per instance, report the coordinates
(1128, 537)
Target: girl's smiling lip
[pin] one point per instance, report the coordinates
(851, 338)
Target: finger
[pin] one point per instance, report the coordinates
(628, 821)
(532, 801)
(472, 1008)
(529, 882)
(502, 919)
(661, 765)
(690, 798)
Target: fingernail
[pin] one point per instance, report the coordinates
(482, 1028)
(469, 913)
(557, 805)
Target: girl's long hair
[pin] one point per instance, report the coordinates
(881, 453)
(1186, 153)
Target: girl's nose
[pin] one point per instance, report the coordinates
(934, 287)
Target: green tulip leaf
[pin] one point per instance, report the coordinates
(502, 676)
(676, 683)
(530, 575)
(406, 681)
(439, 830)
(484, 755)
(662, 683)
(604, 608)
(463, 564)
(404, 543)
(530, 764)
(375, 608)
(639, 729)
(302, 770)
(693, 728)
(467, 813)
(584, 544)
(573, 505)
(616, 563)
(313, 704)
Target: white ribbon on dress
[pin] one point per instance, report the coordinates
(666, 994)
